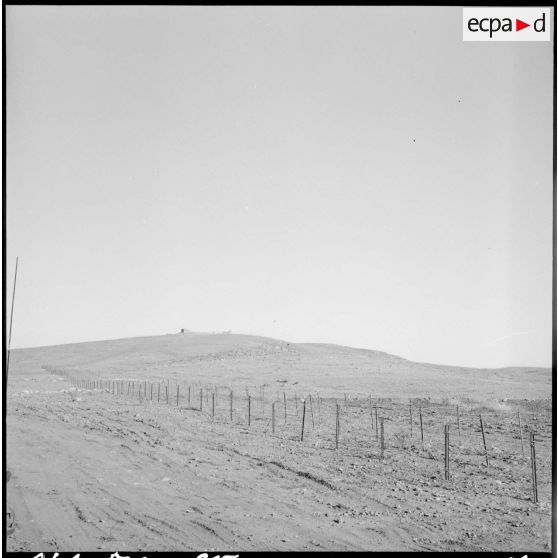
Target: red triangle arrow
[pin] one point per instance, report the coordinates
(519, 25)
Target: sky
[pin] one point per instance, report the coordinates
(349, 175)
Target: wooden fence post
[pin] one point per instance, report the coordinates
(458, 426)
(371, 413)
(376, 415)
(446, 453)
(213, 404)
(177, 393)
(484, 440)
(273, 417)
(382, 446)
(534, 468)
(189, 393)
(231, 405)
(421, 431)
(249, 410)
(336, 425)
(285, 405)
(303, 417)
(520, 433)
(311, 409)
(411, 416)
(201, 399)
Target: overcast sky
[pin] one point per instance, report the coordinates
(354, 175)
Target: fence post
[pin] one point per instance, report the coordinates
(303, 417)
(213, 404)
(231, 405)
(189, 399)
(336, 425)
(201, 399)
(520, 433)
(411, 416)
(177, 393)
(446, 453)
(484, 440)
(458, 426)
(382, 446)
(371, 413)
(376, 415)
(285, 405)
(311, 409)
(249, 405)
(534, 467)
(421, 431)
(273, 417)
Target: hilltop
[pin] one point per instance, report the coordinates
(248, 361)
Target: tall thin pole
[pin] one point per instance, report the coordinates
(336, 425)
(303, 417)
(484, 440)
(458, 425)
(520, 433)
(11, 321)
(446, 453)
(382, 447)
(533, 467)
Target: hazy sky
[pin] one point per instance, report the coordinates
(354, 175)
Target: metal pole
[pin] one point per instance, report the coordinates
(382, 447)
(311, 409)
(484, 440)
(458, 425)
(303, 417)
(534, 468)
(520, 433)
(11, 322)
(336, 425)
(446, 455)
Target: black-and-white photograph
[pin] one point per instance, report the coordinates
(278, 278)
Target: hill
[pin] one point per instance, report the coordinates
(250, 361)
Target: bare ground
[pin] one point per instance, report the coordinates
(95, 471)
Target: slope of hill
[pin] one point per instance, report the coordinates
(130, 465)
(249, 361)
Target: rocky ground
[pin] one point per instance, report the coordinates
(93, 470)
